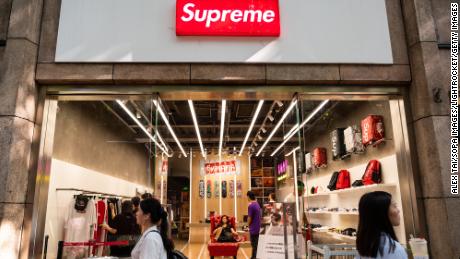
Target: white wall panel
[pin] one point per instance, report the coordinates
(312, 31)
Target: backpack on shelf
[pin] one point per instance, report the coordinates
(373, 173)
(343, 180)
(333, 182)
(353, 141)
(338, 144)
(308, 165)
(373, 132)
(319, 157)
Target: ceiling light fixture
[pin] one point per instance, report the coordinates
(289, 109)
(197, 129)
(312, 114)
(259, 137)
(280, 104)
(292, 151)
(254, 119)
(165, 119)
(123, 106)
(222, 124)
(291, 130)
(263, 130)
(270, 117)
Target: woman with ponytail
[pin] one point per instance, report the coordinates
(154, 242)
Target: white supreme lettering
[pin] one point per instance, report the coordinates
(212, 16)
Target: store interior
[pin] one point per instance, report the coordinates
(200, 157)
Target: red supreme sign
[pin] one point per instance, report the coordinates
(223, 167)
(227, 18)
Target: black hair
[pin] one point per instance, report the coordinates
(136, 201)
(222, 221)
(146, 196)
(373, 222)
(153, 207)
(277, 216)
(127, 207)
(251, 195)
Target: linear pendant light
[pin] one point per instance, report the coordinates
(291, 130)
(197, 129)
(259, 107)
(292, 151)
(310, 116)
(222, 124)
(165, 119)
(123, 106)
(291, 106)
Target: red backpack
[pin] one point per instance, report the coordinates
(343, 180)
(372, 130)
(373, 173)
(319, 157)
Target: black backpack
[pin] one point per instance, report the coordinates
(174, 254)
(333, 182)
(338, 144)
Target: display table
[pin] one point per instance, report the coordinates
(246, 236)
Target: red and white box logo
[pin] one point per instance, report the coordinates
(227, 18)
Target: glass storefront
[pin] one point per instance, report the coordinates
(306, 158)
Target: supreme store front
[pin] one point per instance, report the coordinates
(197, 102)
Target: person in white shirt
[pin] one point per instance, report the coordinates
(300, 190)
(154, 242)
(376, 238)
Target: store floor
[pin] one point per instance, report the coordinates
(200, 250)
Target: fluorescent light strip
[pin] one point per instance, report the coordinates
(292, 151)
(291, 130)
(197, 129)
(123, 106)
(222, 124)
(291, 106)
(165, 119)
(259, 107)
(312, 114)
(157, 134)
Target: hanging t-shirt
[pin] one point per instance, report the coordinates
(79, 227)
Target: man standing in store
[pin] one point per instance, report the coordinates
(254, 218)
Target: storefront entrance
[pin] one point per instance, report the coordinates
(200, 152)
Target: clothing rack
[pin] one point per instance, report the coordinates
(92, 192)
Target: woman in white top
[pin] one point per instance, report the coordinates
(376, 238)
(154, 242)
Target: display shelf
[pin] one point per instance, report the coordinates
(340, 236)
(262, 179)
(353, 189)
(332, 213)
(336, 235)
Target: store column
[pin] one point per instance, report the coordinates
(19, 37)
(428, 30)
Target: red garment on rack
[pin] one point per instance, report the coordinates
(99, 234)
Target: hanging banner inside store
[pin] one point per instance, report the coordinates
(227, 18)
(164, 167)
(224, 167)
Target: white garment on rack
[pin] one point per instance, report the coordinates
(79, 227)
